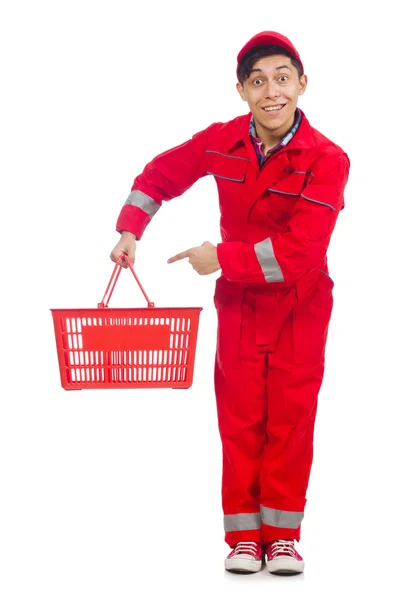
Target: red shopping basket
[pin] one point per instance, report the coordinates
(126, 347)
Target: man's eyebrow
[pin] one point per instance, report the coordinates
(277, 69)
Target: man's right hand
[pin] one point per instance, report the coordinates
(126, 245)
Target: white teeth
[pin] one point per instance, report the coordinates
(274, 107)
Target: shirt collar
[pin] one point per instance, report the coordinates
(303, 137)
(288, 136)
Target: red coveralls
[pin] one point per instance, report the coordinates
(273, 300)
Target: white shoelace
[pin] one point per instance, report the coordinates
(246, 548)
(283, 547)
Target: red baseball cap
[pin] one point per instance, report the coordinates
(269, 38)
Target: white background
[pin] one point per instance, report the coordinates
(116, 494)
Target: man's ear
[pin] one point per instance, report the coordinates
(302, 84)
(240, 90)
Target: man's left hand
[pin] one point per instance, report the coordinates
(204, 258)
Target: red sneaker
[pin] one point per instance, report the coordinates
(282, 558)
(246, 557)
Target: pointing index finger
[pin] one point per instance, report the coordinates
(179, 256)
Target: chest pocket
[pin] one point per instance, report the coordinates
(284, 194)
(225, 168)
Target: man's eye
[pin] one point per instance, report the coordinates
(284, 78)
(257, 81)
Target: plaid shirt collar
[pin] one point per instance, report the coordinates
(257, 142)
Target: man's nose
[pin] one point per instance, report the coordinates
(272, 90)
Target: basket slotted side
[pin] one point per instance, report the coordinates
(126, 347)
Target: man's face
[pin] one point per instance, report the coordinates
(273, 82)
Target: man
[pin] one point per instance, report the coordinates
(281, 185)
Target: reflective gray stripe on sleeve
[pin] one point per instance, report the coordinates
(267, 260)
(144, 202)
(281, 518)
(318, 202)
(242, 522)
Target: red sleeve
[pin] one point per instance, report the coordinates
(285, 257)
(167, 176)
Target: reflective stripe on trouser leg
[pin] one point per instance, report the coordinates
(281, 518)
(242, 522)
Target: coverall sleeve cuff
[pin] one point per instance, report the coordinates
(133, 219)
(223, 258)
(239, 263)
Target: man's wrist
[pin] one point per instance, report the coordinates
(127, 234)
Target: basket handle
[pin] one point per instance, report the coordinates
(113, 280)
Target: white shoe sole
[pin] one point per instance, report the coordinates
(243, 565)
(285, 566)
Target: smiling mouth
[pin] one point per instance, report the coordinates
(274, 108)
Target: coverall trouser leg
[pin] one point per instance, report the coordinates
(269, 368)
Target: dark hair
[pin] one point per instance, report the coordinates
(245, 67)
